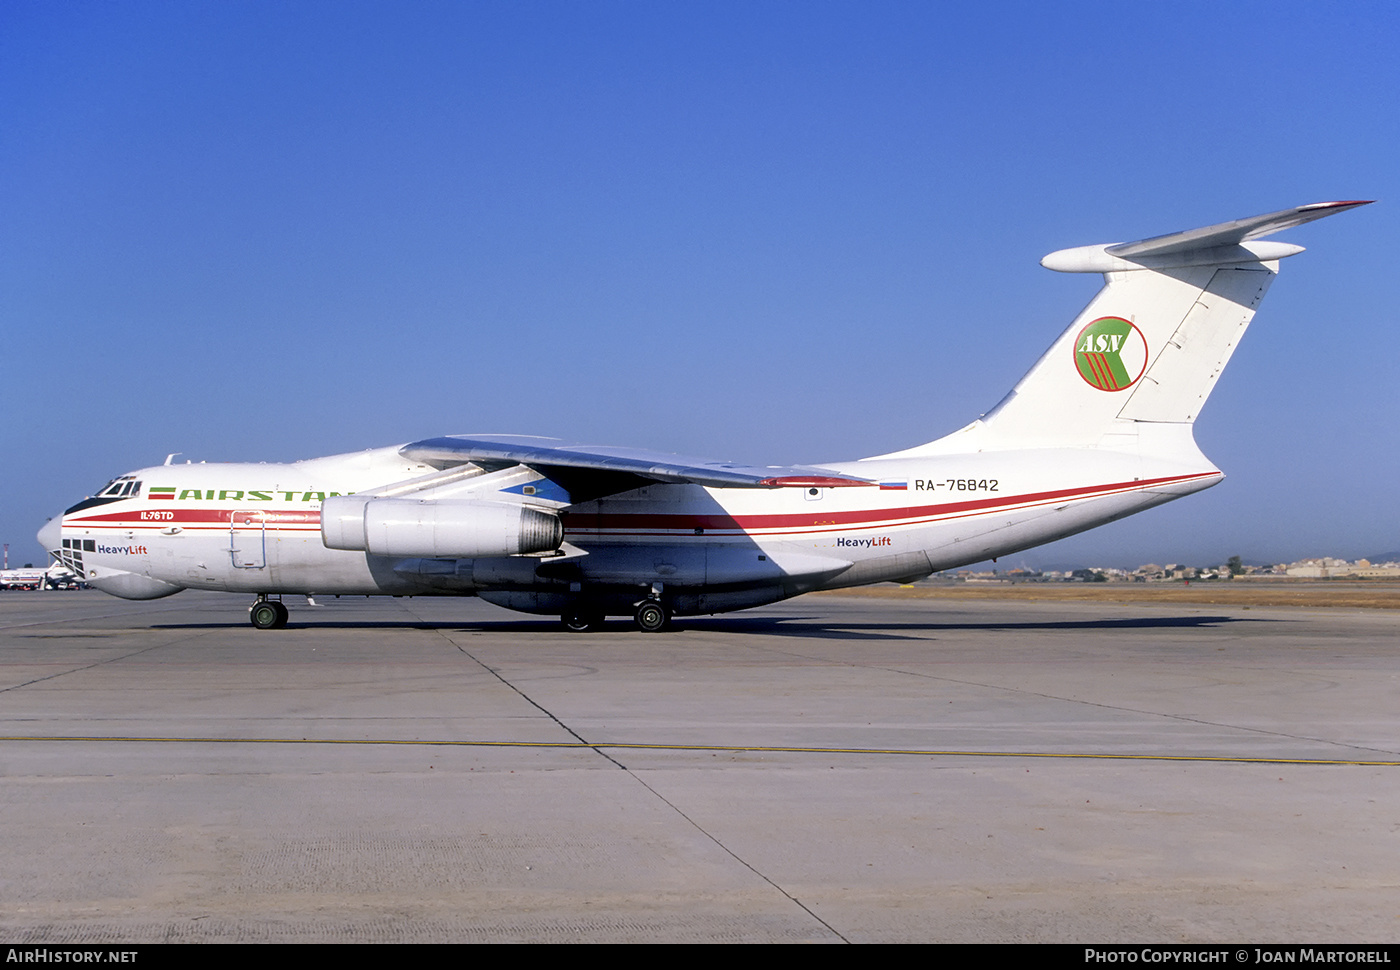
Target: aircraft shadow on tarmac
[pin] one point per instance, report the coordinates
(827, 628)
(822, 627)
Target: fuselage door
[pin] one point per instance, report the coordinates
(247, 539)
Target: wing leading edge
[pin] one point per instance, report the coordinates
(547, 455)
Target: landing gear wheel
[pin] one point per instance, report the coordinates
(582, 621)
(651, 617)
(268, 615)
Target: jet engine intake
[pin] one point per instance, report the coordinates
(437, 530)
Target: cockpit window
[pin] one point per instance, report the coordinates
(121, 487)
(126, 486)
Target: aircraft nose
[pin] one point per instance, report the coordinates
(51, 535)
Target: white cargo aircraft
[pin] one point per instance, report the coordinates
(55, 577)
(1100, 428)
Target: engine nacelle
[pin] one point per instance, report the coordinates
(437, 530)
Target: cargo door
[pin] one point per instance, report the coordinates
(247, 539)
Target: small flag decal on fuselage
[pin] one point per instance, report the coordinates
(901, 486)
(161, 493)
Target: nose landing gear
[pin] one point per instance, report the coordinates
(266, 614)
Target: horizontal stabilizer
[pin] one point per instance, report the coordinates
(1218, 245)
(1230, 233)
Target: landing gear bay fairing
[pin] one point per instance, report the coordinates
(1100, 428)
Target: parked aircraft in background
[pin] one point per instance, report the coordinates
(1100, 428)
(29, 577)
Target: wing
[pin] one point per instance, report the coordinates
(602, 470)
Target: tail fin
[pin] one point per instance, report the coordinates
(1150, 346)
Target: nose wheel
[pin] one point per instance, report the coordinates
(266, 614)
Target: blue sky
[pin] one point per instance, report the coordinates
(771, 232)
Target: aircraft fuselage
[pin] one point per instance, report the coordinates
(257, 528)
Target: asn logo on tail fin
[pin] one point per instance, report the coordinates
(1110, 354)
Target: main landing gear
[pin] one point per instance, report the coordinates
(266, 614)
(651, 616)
(582, 621)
